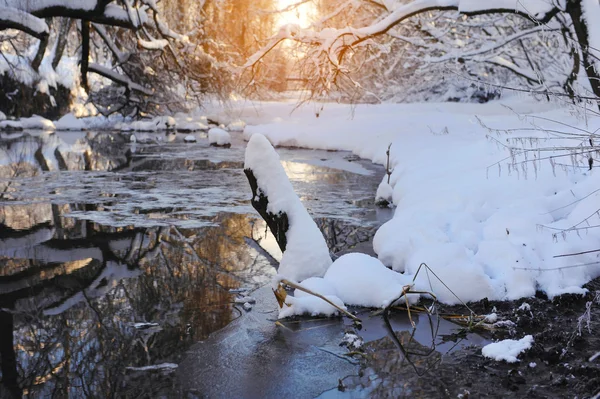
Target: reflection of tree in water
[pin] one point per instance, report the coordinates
(73, 326)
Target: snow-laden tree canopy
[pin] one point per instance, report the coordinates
(546, 43)
(160, 54)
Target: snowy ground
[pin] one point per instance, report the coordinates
(487, 230)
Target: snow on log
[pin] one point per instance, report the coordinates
(305, 252)
(12, 18)
(28, 16)
(118, 78)
(158, 44)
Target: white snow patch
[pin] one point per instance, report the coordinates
(352, 341)
(245, 299)
(236, 126)
(69, 122)
(491, 318)
(190, 139)
(2, 116)
(507, 350)
(525, 307)
(310, 305)
(155, 367)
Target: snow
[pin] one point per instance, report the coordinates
(37, 122)
(306, 254)
(353, 279)
(236, 126)
(362, 280)
(159, 367)
(190, 139)
(2, 116)
(24, 20)
(245, 299)
(310, 305)
(384, 192)
(153, 44)
(591, 14)
(525, 307)
(144, 325)
(507, 350)
(153, 125)
(485, 230)
(352, 341)
(218, 136)
(8, 124)
(491, 318)
(69, 122)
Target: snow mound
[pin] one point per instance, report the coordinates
(236, 126)
(190, 139)
(318, 285)
(507, 350)
(69, 122)
(37, 122)
(218, 137)
(384, 193)
(307, 254)
(2, 116)
(362, 280)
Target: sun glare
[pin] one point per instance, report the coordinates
(300, 15)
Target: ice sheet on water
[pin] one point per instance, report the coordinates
(186, 186)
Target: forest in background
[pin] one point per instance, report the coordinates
(157, 57)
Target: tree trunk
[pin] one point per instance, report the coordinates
(85, 53)
(39, 56)
(63, 34)
(582, 32)
(278, 223)
(7, 355)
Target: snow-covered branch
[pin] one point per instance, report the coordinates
(28, 16)
(491, 46)
(336, 41)
(118, 78)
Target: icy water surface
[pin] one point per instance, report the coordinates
(119, 261)
(116, 257)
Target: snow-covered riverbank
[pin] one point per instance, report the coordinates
(490, 225)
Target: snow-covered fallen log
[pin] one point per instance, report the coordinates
(305, 252)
